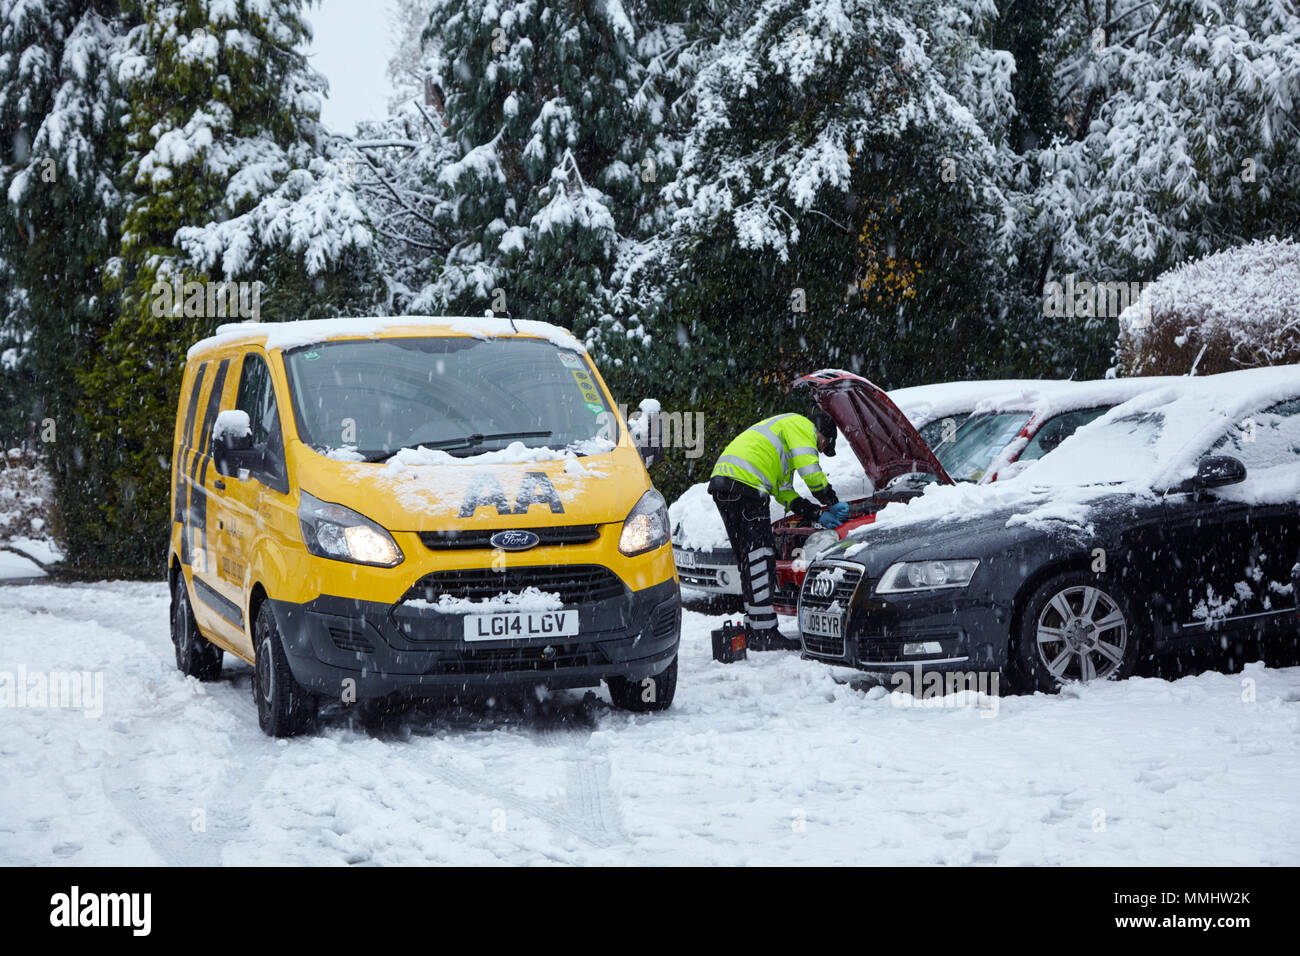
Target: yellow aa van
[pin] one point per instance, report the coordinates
(414, 507)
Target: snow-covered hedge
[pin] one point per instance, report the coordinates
(26, 499)
(1238, 308)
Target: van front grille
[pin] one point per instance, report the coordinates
(482, 538)
(575, 584)
(514, 659)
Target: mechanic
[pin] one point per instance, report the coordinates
(762, 461)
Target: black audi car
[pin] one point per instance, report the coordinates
(1170, 523)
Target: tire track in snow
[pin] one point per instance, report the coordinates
(164, 816)
(166, 822)
(589, 810)
(583, 817)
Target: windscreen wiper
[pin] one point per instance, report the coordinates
(465, 441)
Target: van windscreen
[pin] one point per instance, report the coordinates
(464, 396)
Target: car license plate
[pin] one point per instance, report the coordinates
(823, 623)
(684, 559)
(520, 625)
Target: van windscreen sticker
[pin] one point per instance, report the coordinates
(588, 387)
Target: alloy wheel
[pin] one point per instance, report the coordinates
(1082, 634)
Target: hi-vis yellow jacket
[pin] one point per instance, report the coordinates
(767, 455)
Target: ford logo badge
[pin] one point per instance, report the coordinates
(514, 540)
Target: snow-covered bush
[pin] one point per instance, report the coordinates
(26, 497)
(1238, 308)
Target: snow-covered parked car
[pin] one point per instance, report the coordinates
(1007, 432)
(704, 557)
(1171, 521)
(1002, 437)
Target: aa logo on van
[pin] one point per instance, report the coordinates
(514, 540)
(485, 490)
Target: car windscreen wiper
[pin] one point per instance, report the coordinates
(465, 441)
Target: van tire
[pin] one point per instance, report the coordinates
(632, 694)
(196, 656)
(284, 708)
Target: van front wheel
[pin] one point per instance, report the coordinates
(284, 708)
(196, 656)
(644, 696)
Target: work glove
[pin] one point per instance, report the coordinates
(840, 510)
(829, 520)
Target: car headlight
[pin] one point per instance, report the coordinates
(332, 531)
(817, 543)
(646, 525)
(927, 575)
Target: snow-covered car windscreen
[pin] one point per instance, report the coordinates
(977, 441)
(457, 394)
(1116, 450)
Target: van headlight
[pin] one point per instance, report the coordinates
(927, 575)
(646, 526)
(332, 531)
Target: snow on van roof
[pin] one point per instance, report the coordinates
(287, 335)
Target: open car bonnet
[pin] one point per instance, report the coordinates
(880, 435)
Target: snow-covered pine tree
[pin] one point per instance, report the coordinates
(228, 180)
(394, 165)
(1182, 130)
(837, 203)
(553, 129)
(61, 149)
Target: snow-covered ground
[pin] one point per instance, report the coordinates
(769, 761)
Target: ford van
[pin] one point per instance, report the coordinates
(365, 508)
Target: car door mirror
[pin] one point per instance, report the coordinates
(1217, 471)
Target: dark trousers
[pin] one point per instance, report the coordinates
(749, 528)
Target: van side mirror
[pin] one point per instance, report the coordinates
(645, 434)
(232, 443)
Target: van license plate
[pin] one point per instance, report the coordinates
(520, 626)
(823, 623)
(684, 559)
